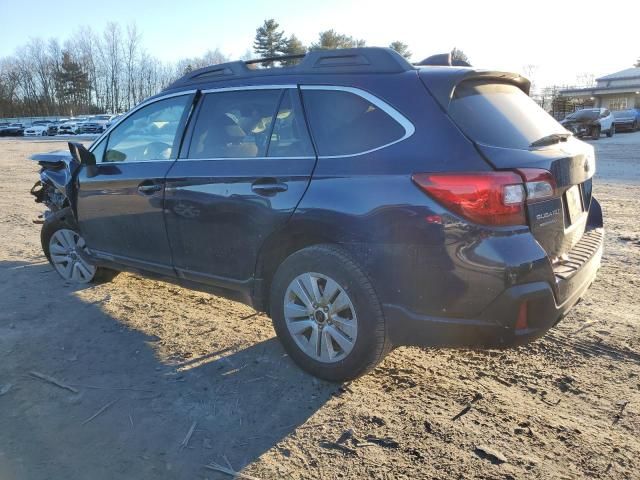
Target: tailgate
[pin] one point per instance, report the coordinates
(557, 223)
(512, 132)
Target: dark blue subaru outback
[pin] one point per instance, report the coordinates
(361, 201)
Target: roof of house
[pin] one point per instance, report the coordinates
(633, 72)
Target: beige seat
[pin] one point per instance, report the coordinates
(224, 138)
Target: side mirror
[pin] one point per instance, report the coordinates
(81, 155)
(84, 157)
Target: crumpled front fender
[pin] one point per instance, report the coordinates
(59, 169)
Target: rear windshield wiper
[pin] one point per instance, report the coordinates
(551, 138)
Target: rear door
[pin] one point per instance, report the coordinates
(513, 132)
(247, 164)
(120, 208)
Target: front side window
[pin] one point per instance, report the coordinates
(343, 123)
(151, 133)
(235, 124)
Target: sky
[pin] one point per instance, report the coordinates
(560, 39)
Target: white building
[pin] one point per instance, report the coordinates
(618, 91)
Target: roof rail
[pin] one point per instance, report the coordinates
(347, 60)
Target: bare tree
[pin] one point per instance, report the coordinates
(585, 79)
(111, 56)
(131, 59)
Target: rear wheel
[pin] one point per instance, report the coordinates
(66, 250)
(635, 126)
(595, 132)
(327, 314)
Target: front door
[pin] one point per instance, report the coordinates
(247, 166)
(120, 209)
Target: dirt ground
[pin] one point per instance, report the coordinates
(150, 362)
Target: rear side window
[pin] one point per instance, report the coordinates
(500, 114)
(234, 124)
(344, 123)
(290, 137)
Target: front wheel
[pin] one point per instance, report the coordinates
(327, 314)
(611, 131)
(66, 250)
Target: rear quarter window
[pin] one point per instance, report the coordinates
(500, 114)
(344, 123)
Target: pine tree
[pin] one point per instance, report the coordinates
(294, 47)
(330, 39)
(72, 81)
(401, 48)
(269, 41)
(458, 57)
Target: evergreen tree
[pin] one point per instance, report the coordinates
(330, 39)
(269, 41)
(294, 47)
(458, 57)
(401, 48)
(72, 81)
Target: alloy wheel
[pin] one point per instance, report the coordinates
(320, 317)
(64, 246)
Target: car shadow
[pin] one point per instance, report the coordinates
(118, 410)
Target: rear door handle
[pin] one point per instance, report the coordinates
(268, 186)
(147, 188)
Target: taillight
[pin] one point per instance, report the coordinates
(488, 198)
(538, 183)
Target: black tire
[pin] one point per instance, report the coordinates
(611, 131)
(372, 342)
(595, 132)
(63, 219)
(635, 127)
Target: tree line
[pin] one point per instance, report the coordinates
(111, 71)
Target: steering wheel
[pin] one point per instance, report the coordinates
(157, 150)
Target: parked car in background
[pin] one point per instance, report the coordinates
(590, 122)
(360, 201)
(628, 120)
(68, 128)
(13, 130)
(95, 124)
(114, 120)
(53, 127)
(37, 130)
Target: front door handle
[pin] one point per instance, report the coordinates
(149, 188)
(268, 186)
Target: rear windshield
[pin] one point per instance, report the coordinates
(500, 114)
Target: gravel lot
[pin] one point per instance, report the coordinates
(164, 381)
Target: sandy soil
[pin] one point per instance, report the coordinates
(566, 406)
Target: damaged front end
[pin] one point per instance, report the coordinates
(55, 188)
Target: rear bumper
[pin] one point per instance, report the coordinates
(496, 325)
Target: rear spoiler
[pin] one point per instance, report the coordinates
(442, 81)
